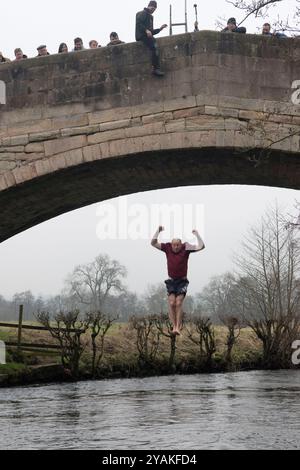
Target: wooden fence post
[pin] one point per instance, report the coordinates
(20, 327)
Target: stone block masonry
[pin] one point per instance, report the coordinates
(87, 126)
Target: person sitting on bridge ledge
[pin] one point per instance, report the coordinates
(3, 59)
(114, 40)
(177, 254)
(19, 54)
(42, 51)
(94, 44)
(266, 31)
(144, 32)
(78, 45)
(63, 48)
(233, 28)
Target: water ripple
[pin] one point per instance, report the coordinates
(250, 410)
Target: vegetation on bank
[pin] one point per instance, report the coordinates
(143, 347)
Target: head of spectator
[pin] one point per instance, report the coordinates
(152, 7)
(233, 28)
(114, 39)
(19, 54)
(267, 29)
(78, 44)
(93, 44)
(231, 24)
(42, 51)
(3, 59)
(63, 48)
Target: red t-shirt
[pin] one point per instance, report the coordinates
(177, 262)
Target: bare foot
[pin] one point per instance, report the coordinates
(176, 332)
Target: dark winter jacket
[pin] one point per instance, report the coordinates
(144, 20)
(240, 29)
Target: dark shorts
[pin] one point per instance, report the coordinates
(177, 286)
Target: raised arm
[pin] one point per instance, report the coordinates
(154, 241)
(200, 244)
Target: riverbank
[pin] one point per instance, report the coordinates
(121, 359)
(16, 375)
(22, 375)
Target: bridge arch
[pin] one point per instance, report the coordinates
(95, 124)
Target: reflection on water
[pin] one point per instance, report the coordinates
(250, 410)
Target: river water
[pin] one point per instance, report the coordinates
(248, 410)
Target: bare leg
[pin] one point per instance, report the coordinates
(179, 313)
(172, 309)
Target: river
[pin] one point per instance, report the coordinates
(246, 410)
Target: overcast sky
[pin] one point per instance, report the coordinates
(40, 259)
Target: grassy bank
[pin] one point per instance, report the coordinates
(121, 358)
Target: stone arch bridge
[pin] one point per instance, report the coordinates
(88, 126)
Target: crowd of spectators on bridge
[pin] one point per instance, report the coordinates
(233, 28)
(145, 33)
(63, 48)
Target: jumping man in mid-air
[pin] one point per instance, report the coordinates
(177, 254)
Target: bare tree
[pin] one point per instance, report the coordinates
(56, 304)
(125, 305)
(91, 283)
(233, 325)
(165, 328)
(148, 337)
(217, 299)
(201, 332)
(155, 298)
(293, 221)
(270, 288)
(69, 330)
(99, 324)
(6, 311)
(27, 300)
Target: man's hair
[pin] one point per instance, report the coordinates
(267, 24)
(152, 4)
(113, 34)
(76, 40)
(231, 20)
(43, 46)
(17, 50)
